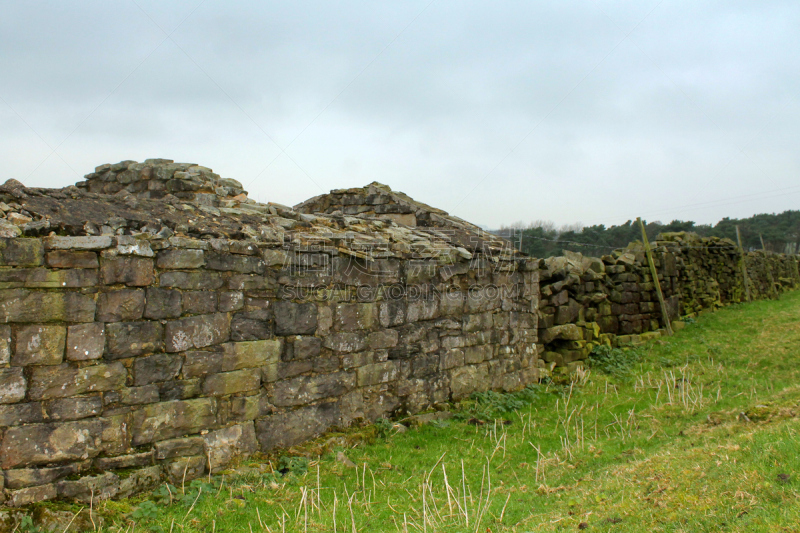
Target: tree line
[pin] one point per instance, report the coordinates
(780, 233)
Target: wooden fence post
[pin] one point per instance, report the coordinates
(744, 267)
(654, 274)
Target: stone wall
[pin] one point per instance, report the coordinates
(166, 356)
(587, 301)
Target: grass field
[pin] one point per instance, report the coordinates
(698, 432)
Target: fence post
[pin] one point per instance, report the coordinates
(654, 274)
(744, 267)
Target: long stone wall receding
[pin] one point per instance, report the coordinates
(155, 323)
(588, 301)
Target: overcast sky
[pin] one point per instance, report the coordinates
(584, 111)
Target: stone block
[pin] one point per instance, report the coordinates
(63, 381)
(298, 348)
(128, 270)
(306, 389)
(199, 302)
(186, 469)
(74, 408)
(294, 368)
(253, 354)
(236, 263)
(39, 344)
(468, 379)
(22, 305)
(167, 420)
(164, 303)
(90, 489)
(197, 332)
(345, 342)
(78, 243)
(230, 301)
(17, 414)
(124, 461)
(5, 344)
(354, 316)
(12, 385)
(70, 259)
(290, 428)
(295, 318)
(226, 383)
(23, 497)
(453, 358)
(120, 305)
(156, 368)
(176, 259)
(197, 281)
(387, 338)
(141, 480)
(51, 443)
(477, 354)
(392, 313)
(223, 445)
(374, 374)
(128, 339)
(179, 389)
(21, 252)
(251, 325)
(182, 447)
(85, 342)
(20, 478)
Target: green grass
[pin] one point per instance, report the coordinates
(698, 432)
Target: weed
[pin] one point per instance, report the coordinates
(614, 361)
(492, 405)
(289, 465)
(383, 428)
(26, 525)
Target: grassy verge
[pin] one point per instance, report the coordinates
(698, 432)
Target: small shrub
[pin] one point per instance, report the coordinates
(383, 427)
(492, 405)
(292, 465)
(613, 361)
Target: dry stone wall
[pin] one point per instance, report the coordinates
(588, 301)
(148, 339)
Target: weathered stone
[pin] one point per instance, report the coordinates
(23, 497)
(306, 389)
(251, 354)
(226, 383)
(74, 408)
(230, 301)
(127, 339)
(5, 344)
(20, 478)
(180, 259)
(39, 345)
(197, 332)
(290, 428)
(295, 319)
(124, 461)
(141, 480)
(163, 303)
(186, 469)
(236, 263)
(22, 305)
(12, 385)
(86, 342)
(199, 302)
(21, 252)
(120, 305)
(345, 342)
(353, 317)
(205, 281)
(17, 414)
(180, 389)
(392, 313)
(251, 325)
(78, 243)
(166, 420)
(51, 443)
(468, 379)
(223, 445)
(129, 270)
(90, 488)
(155, 368)
(63, 381)
(376, 373)
(299, 348)
(382, 339)
(69, 259)
(167, 449)
(477, 354)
